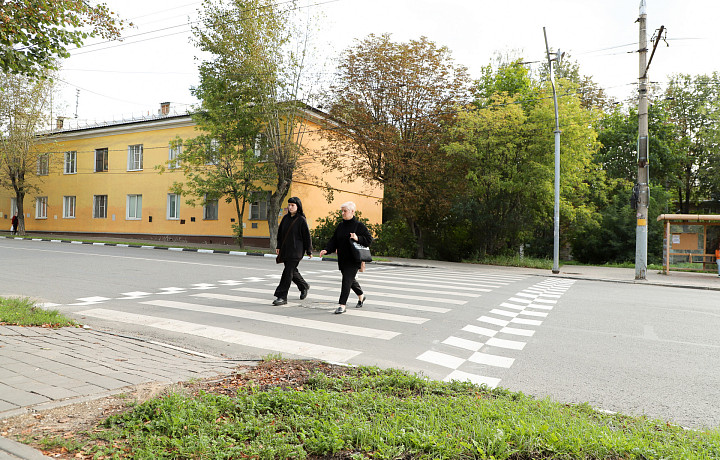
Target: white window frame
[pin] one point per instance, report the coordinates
(43, 166)
(210, 205)
(173, 206)
(135, 157)
(107, 159)
(134, 204)
(41, 207)
(13, 206)
(173, 152)
(69, 207)
(258, 206)
(70, 163)
(100, 205)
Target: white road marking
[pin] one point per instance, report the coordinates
(461, 376)
(479, 330)
(272, 318)
(495, 321)
(502, 343)
(365, 284)
(437, 287)
(172, 290)
(463, 343)
(133, 295)
(511, 314)
(261, 342)
(441, 359)
(491, 360)
(89, 301)
(516, 331)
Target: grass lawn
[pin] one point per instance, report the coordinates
(24, 312)
(307, 409)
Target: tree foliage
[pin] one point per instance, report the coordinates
(258, 54)
(393, 102)
(35, 33)
(23, 105)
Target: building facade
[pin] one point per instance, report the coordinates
(102, 180)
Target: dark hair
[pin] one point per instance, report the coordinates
(297, 201)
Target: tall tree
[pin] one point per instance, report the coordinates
(259, 51)
(693, 107)
(393, 102)
(35, 33)
(23, 105)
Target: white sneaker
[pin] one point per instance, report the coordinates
(340, 309)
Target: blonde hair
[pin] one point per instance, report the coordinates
(349, 205)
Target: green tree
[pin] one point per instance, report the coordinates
(258, 50)
(35, 33)
(393, 102)
(693, 107)
(23, 161)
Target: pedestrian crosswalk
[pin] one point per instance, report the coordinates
(472, 354)
(406, 307)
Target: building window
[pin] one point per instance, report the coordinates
(41, 207)
(101, 160)
(100, 206)
(210, 210)
(259, 205)
(135, 157)
(174, 152)
(134, 207)
(70, 162)
(43, 167)
(173, 206)
(69, 207)
(13, 207)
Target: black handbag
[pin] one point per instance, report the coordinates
(360, 253)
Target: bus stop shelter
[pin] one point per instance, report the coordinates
(690, 241)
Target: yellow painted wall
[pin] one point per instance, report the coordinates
(118, 182)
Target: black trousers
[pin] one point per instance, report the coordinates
(349, 272)
(290, 274)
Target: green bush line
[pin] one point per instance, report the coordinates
(24, 312)
(386, 414)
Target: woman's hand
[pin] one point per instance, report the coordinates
(353, 237)
(323, 252)
(277, 251)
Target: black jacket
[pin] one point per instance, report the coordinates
(298, 240)
(340, 240)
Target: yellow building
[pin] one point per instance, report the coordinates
(102, 180)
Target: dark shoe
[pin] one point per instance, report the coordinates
(340, 309)
(279, 301)
(361, 302)
(303, 293)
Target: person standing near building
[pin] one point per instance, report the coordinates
(293, 241)
(717, 257)
(350, 229)
(14, 222)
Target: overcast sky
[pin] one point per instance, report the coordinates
(157, 63)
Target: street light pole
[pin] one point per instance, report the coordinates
(556, 225)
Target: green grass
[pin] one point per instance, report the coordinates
(24, 312)
(514, 261)
(385, 414)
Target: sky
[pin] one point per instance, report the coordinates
(157, 62)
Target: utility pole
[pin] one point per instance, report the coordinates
(641, 230)
(556, 225)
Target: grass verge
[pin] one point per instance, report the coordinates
(367, 412)
(24, 312)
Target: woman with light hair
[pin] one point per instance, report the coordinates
(350, 229)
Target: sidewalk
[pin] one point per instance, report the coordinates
(45, 368)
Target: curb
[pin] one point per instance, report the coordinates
(10, 450)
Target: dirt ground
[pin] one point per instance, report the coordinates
(73, 421)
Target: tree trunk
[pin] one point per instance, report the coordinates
(240, 210)
(419, 243)
(19, 199)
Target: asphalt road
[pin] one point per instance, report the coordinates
(621, 347)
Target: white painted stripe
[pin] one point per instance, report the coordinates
(515, 331)
(437, 287)
(47, 305)
(513, 306)
(271, 318)
(36, 239)
(461, 279)
(56, 241)
(542, 307)
(534, 313)
(238, 253)
(76, 242)
(502, 343)
(515, 299)
(365, 284)
(524, 294)
(371, 300)
(511, 314)
(554, 296)
(461, 376)
(463, 343)
(205, 251)
(98, 244)
(491, 360)
(261, 342)
(441, 359)
(175, 249)
(545, 301)
(122, 245)
(270, 255)
(495, 321)
(530, 322)
(479, 330)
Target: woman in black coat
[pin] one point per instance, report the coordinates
(293, 242)
(349, 229)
